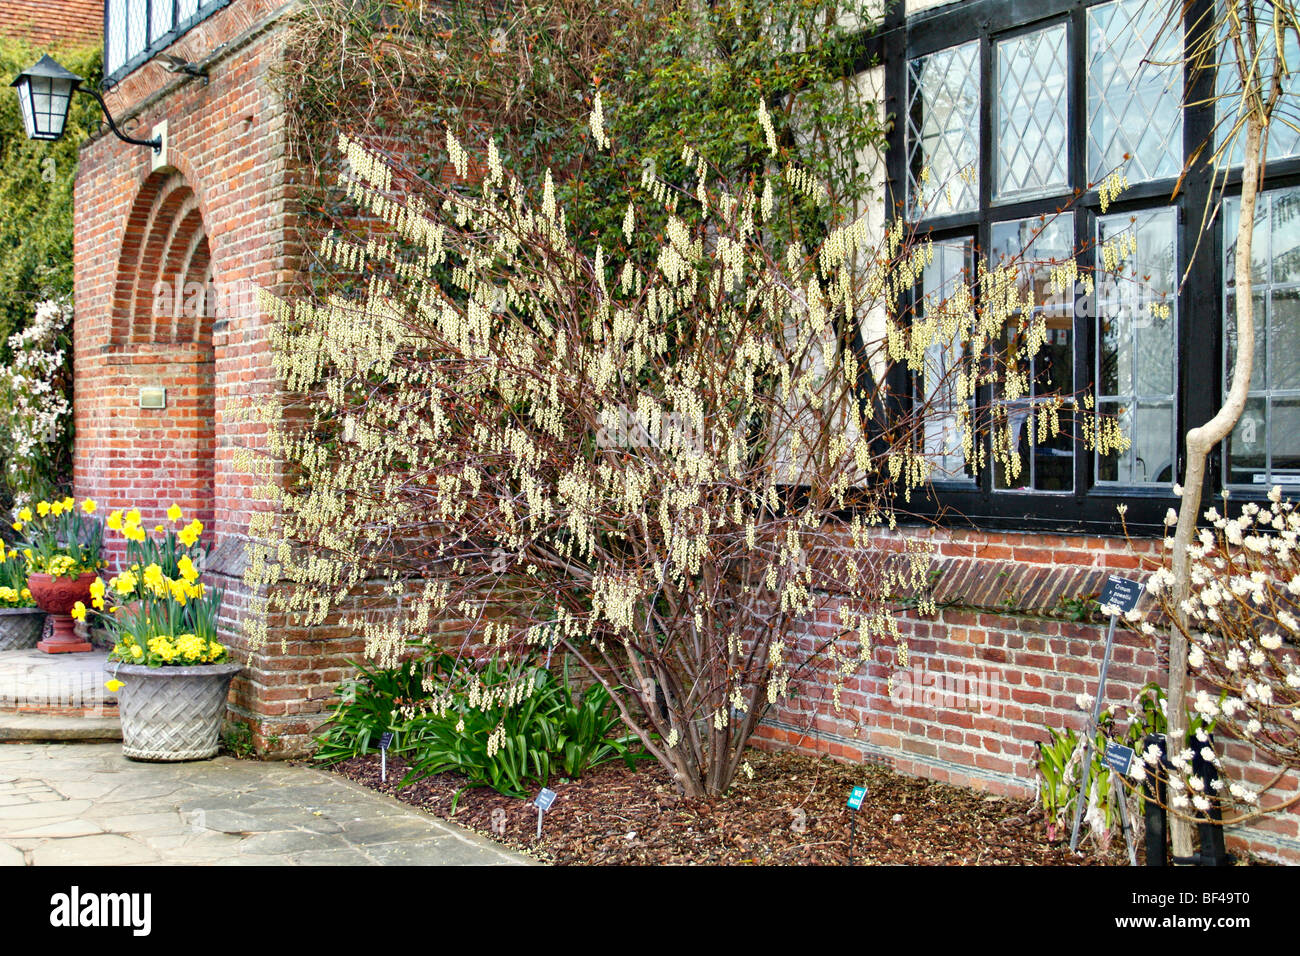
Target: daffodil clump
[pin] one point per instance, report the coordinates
(60, 538)
(157, 609)
(13, 580)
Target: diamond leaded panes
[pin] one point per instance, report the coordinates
(1031, 110)
(943, 131)
(1134, 91)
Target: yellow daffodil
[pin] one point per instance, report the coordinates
(42, 508)
(191, 532)
(133, 516)
(78, 611)
(25, 515)
(89, 506)
(56, 509)
(188, 571)
(68, 502)
(174, 512)
(18, 526)
(115, 520)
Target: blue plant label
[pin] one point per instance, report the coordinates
(856, 797)
(386, 740)
(1120, 593)
(1119, 758)
(544, 799)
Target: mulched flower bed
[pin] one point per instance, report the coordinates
(614, 815)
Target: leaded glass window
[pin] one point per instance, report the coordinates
(1137, 322)
(1034, 430)
(948, 421)
(1135, 91)
(943, 131)
(136, 29)
(1031, 107)
(1264, 448)
(1284, 130)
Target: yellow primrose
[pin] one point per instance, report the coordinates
(113, 686)
(78, 611)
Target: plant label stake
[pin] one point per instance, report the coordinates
(384, 743)
(1119, 596)
(856, 796)
(543, 803)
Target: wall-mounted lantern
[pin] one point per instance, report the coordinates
(44, 95)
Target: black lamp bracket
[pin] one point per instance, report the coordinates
(155, 144)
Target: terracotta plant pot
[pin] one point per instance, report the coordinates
(171, 713)
(56, 596)
(20, 627)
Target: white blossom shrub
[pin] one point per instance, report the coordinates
(1243, 616)
(35, 405)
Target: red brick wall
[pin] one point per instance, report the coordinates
(985, 680)
(221, 209)
(227, 145)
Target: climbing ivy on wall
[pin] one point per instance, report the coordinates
(36, 192)
(671, 73)
(36, 226)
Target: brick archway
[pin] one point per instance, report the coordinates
(163, 305)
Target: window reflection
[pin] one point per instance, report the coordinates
(1041, 439)
(1137, 342)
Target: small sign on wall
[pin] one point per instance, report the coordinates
(153, 396)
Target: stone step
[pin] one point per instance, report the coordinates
(44, 728)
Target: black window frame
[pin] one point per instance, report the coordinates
(1090, 508)
(154, 45)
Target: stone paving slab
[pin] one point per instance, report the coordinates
(86, 804)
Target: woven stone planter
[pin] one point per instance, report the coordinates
(20, 627)
(172, 713)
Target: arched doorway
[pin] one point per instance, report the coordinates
(161, 435)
